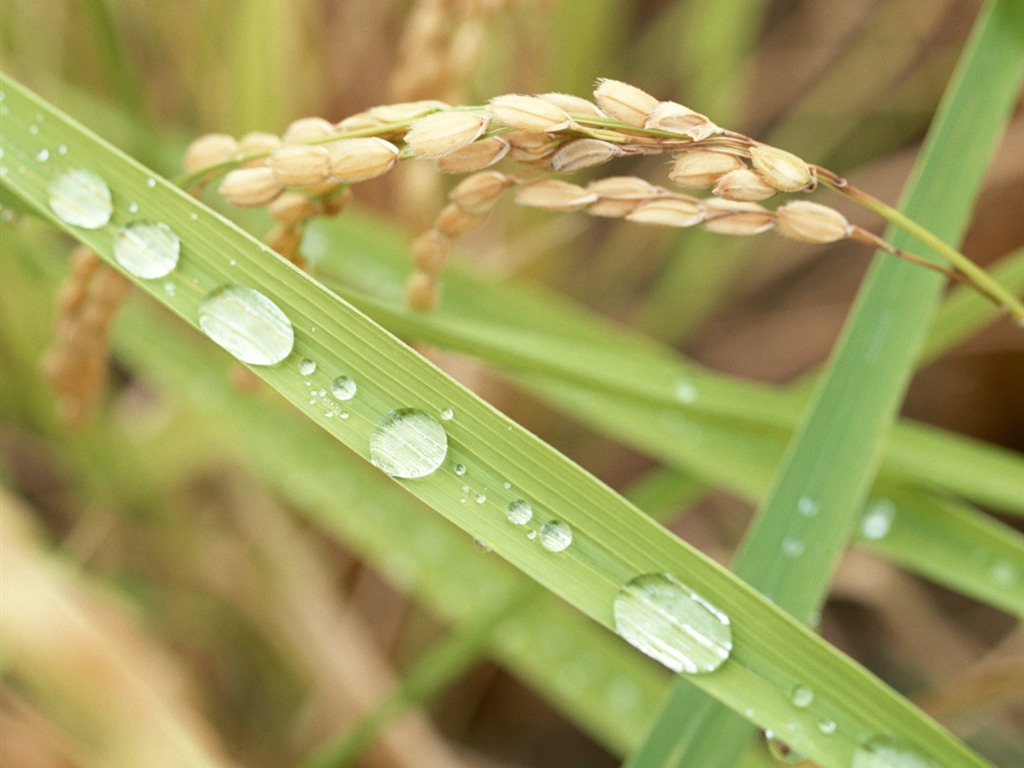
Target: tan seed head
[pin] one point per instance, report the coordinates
(454, 221)
(209, 150)
(445, 132)
(728, 217)
(526, 147)
(674, 118)
(250, 187)
(360, 121)
(291, 207)
(783, 170)
(701, 168)
(430, 251)
(624, 102)
(669, 212)
(573, 104)
(554, 195)
(299, 165)
(409, 110)
(583, 153)
(308, 129)
(744, 185)
(529, 113)
(354, 160)
(811, 222)
(478, 193)
(421, 292)
(623, 188)
(258, 141)
(475, 157)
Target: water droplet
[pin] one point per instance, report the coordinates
(686, 391)
(482, 545)
(247, 324)
(33, 129)
(408, 443)
(519, 512)
(507, 485)
(146, 249)
(460, 469)
(531, 534)
(672, 624)
(886, 753)
(43, 155)
(555, 536)
(307, 367)
(828, 727)
(170, 289)
(194, 216)
(447, 414)
(343, 388)
(802, 696)
(62, 149)
(480, 499)
(782, 752)
(81, 198)
(792, 547)
(878, 519)
(150, 183)
(807, 506)
(1003, 573)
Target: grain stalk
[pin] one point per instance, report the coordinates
(315, 162)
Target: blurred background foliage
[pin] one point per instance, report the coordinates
(180, 596)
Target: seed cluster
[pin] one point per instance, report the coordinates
(307, 171)
(76, 364)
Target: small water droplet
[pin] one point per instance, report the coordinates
(555, 536)
(170, 289)
(307, 367)
(886, 753)
(686, 391)
(232, 263)
(151, 182)
(672, 624)
(531, 534)
(507, 485)
(81, 198)
(194, 216)
(1003, 573)
(877, 519)
(782, 752)
(447, 414)
(343, 388)
(146, 249)
(62, 149)
(460, 469)
(828, 727)
(465, 489)
(807, 506)
(519, 512)
(34, 130)
(802, 696)
(480, 498)
(482, 545)
(792, 547)
(408, 443)
(247, 324)
(43, 155)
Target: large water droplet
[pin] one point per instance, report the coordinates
(343, 388)
(555, 536)
(802, 696)
(81, 198)
(877, 519)
(408, 443)
(886, 753)
(672, 624)
(146, 249)
(519, 512)
(247, 324)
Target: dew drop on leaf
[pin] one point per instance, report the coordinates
(81, 198)
(307, 367)
(247, 324)
(519, 512)
(555, 536)
(886, 753)
(343, 388)
(147, 249)
(408, 443)
(672, 624)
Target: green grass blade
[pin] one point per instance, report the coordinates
(790, 553)
(612, 542)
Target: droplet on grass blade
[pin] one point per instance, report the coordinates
(672, 624)
(81, 198)
(555, 536)
(247, 324)
(886, 753)
(408, 443)
(147, 249)
(519, 512)
(343, 388)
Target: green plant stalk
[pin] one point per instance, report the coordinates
(836, 451)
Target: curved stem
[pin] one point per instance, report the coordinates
(971, 273)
